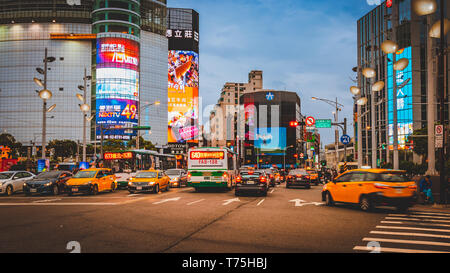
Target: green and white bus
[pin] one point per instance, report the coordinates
(212, 168)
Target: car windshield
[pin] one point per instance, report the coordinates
(46, 175)
(5, 176)
(146, 175)
(298, 172)
(173, 172)
(394, 177)
(85, 174)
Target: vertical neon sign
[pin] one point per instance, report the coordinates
(117, 86)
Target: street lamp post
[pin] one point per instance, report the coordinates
(139, 121)
(335, 104)
(45, 95)
(428, 7)
(84, 108)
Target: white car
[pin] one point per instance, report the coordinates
(12, 181)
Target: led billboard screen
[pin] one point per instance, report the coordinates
(270, 140)
(404, 100)
(117, 87)
(183, 96)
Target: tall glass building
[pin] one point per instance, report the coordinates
(411, 32)
(122, 45)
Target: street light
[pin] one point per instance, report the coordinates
(428, 7)
(336, 118)
(146, 106)
(85, 108)
(45, 95)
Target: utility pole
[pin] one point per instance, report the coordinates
(372, 106)
(84, 117)
(431, 106)
(441, 83)
(394, 22)
(336, 135)
(44, 109)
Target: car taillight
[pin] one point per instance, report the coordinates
(238, 179)
(271, 176)
(263, 179)
(381, 186)
(225, 176)
(307, 177)
(412, 187)
(189, 176)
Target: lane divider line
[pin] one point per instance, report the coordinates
(411, 242)
(195, 202)
(398, 250)
(411, 234)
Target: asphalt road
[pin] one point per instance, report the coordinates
(184, 221)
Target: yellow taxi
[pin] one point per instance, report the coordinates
(370, 188)
(92, 181)
(314, 176)
(149, 181)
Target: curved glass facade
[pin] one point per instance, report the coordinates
(137, 71)
(44, 11)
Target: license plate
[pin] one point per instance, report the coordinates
(251, 182)
(207, 178)
(138, 188)
(33, 190)
(74, 189)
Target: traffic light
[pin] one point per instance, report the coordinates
(293, 124)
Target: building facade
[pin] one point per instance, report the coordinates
(410, 31)
(268, 138)
(73, 33)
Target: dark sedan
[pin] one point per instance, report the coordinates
(53, 182)
(298, 177)
(252, 181)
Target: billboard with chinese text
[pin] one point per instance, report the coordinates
(404, 100)
(183, 87)
(117, 86)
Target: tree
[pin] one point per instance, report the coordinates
(112, 145)
(147, 145)
(63, 148)
(420, 143)
(7, 140)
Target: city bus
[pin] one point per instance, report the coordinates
(212, 168)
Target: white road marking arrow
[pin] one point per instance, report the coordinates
(167, 200)
(229, 201)
(298, 202)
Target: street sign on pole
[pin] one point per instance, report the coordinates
(345, 139)
(439, 134)
(310, 121)
(323, 123)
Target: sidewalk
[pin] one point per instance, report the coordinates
(435, 208)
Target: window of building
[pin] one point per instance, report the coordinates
(118, 16)
(117, 4)
(117, 28)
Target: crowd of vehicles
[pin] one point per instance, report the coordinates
(217, 168)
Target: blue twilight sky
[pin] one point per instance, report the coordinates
(306, 46)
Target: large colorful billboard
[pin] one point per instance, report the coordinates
(117, 87)
(270, 140)
(404, 100)
(183, 96)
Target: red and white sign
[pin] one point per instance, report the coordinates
(439, 136)
(310, 121)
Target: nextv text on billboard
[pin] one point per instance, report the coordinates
(117, 86)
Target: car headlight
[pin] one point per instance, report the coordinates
(151, 183)
(48, 184)
(130, 183)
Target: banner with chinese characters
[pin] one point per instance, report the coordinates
(404, 100)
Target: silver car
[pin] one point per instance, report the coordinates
(12, 181)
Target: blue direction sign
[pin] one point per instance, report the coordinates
(345, 139)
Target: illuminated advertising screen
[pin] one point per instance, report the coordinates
(404, 100)
(270, 140)
(183, 96)
(117, 87)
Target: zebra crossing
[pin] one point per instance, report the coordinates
(413, 232)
